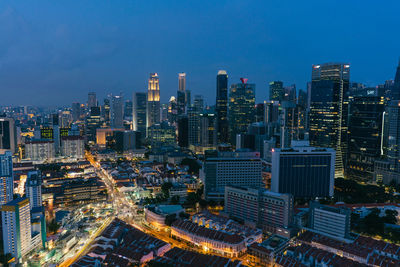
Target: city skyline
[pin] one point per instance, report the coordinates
(109, 51)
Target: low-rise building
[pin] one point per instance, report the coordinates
(155, 214)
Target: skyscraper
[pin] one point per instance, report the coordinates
(16, 227)
(8, 139)
(117, 112)
(276, 91)
(6, 177)
(181, 94)
(153, 101)
(241, 107)
(395, 92)
(76, 111)
(33, 189)
(221, 108)
(139, 113)
(92, 100)
(92, 123)
(106, 111)
(329, 110)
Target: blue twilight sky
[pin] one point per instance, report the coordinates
(55, 52)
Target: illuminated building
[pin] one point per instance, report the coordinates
(395, 92)
(92, 100)
(128, 110)
(183, 129)
(161, 134)
(39, 150)
(153, 101)
(329, 110)
(93, 122)
(276, 91)
(73, 147)
(6, 177)
(272, 212)
(117, 112)
(33, 189)
(219, 242)
(221, 108)
(106, 112)
(303, 171)
(181, 94)
(46, 132)
(8, 138)
(365, 136)
(208, 131)
(139, 113)
(194, 120)
(241, 108)
(230, 168)
(16, 226)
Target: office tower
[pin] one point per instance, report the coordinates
(33, 189)
(93, 121)
(276, 91)
(117, 112)
(164, 112)
(221, 107)
(139, 113)
(172, 115)
(126, 141)
(161, 134)
(272, 212)
(54, 119)
(329, 110)
(153, 101)
(241, 107)
(194, 120)
(128, 110)
(208, 131)
(16, 227)
(6, 177)
(288, 122)
(76, 111)
(365, 136)
(8, 138)
(331, 221)
(181, 94)
(92, 100)
(231, 168)
(395, 93)
(106, 112)
(260, 112)
(290, 93)
(183, 129)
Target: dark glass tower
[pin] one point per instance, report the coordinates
(139, 113)
(329, 110)
(276, 91)
(222, 107)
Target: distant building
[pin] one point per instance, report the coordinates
(231, 168)
(40, 150)
(161, 134)
(241, 108)
(76, 111)
(8, 138)
(181, 94)
(126, 141)
(73, 147)
(303, 171)
(276, 91)
(221, 107)
(272, 212)
(93, 122)
(33, 189)
(117, 112)
(331, 221)
(153, 101)
(16, 227)
(6, 177)
(183, 129)
(139, 113)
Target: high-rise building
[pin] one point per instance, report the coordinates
(303, 171)
(73, 147)
(181, 94)
(365, 136)
(153, 101)
(241, 107)
(93, 121)
(331, 221)
(106, 112)
(183, 129)
(231, 168)
(194, 120)
(6, 177)
(117, 112)
(161, 134)
(273, 212)
(208, 131)
(221, 108)
(329, 110)
(395, 92)
(16, 227)
(8, 138)
(33, 189)
(92, 100)
(139, 113)
(76, 111)
(128, 110)
(276, 91)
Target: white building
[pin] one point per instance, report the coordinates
(72, 147)
(39, 150)
(16, 223)
(6, 177)
(33, 189)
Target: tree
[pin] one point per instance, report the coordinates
(194, 166)
(53, 226)
(5, 258)
(165, 187)
(174, 200)
(170, 218)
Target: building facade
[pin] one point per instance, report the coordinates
(221, 107)
(153, 101)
